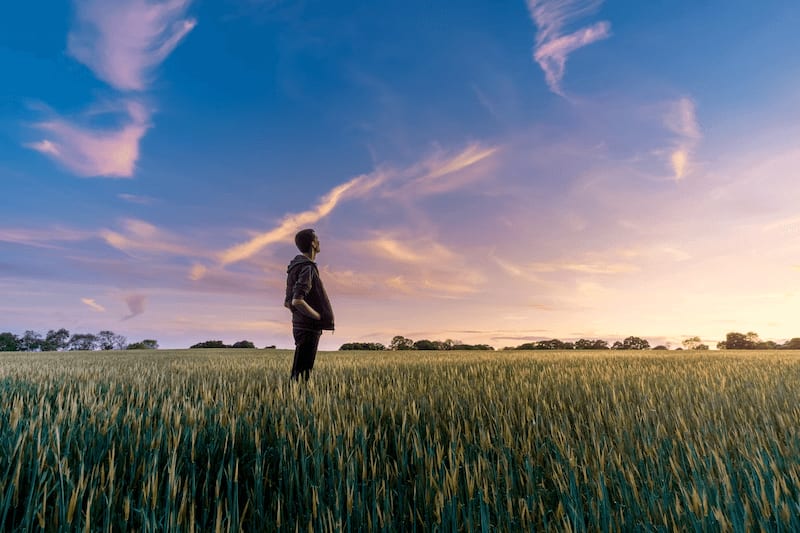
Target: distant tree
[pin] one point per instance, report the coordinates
(8, 342)
(738, 341)
(660, 347)
(243, 344)
(147, 344)
(270, 347)
(525, 346)
(425, 344)
(485, 347)
(56, 340)
(401, 343)
(554, 344)
(793, 344)
(151, 344)
(31, 341)
(701, 347)
(692, 343)
(82, 341)
(108, 340)
(631, 343)
(374, 346)
(587, 344)
(210, 344)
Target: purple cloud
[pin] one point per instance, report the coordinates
(135, 305)
(122, 41)
(552, 45)
(90, 152)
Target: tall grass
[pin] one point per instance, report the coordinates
(220, 440)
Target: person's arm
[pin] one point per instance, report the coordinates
(302, 306)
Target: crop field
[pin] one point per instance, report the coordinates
(221, 440)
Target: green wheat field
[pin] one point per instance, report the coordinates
(221, 440)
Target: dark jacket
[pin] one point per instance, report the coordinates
(303, 282)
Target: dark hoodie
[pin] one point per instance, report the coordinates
(303, 282)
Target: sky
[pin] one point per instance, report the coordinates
(481, 171)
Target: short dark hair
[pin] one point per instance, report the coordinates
(304, 239)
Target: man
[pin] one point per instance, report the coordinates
(306, 298)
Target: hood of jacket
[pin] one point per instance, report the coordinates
(297, 261)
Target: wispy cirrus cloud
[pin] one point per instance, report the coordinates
(93, 305)
(553, 46)
(681, 119)
(415, 179)
(93, 151)
(443, 172)
(291, 223)
(136, 199)
(122, 41)
(141, 236)
(43, 238)
(414, 251)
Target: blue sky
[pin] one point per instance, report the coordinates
(492, 172)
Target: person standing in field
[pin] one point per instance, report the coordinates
(309, 303)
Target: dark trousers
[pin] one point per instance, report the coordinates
(306, 342)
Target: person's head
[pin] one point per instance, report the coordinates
(306, 241)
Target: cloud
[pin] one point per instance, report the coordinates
(417, 251)
(136, 303)
(585, 268)
(141, 236)
(438, 167)
(443, 172)
(94, 305)
(197, 272)
(681, 119)
(291, 223)
(418, 179)
(122, 41)
(136, 199)
(552, 45)
(43, 238)
(90, 151)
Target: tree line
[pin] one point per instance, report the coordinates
(403, 343)
(751, 341)
(58, 340)
(733, 341)
(220, 344)
(62, 340)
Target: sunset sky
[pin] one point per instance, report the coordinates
(483, 171)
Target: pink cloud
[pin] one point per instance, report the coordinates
(681, 119)
(93, 152)
(121, 41)
(141, 236)
(357, 186)
(44, 238)
(552, 46)
(136, 303)
(93, 305)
